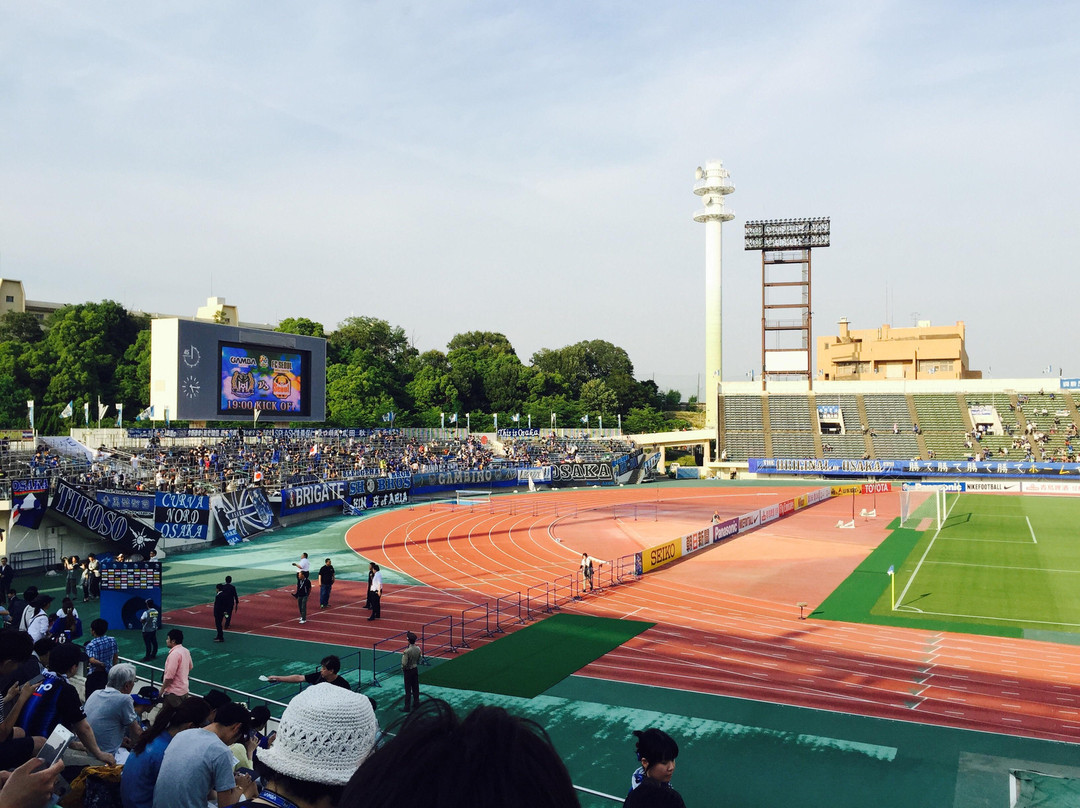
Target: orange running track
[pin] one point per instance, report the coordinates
(727, 623)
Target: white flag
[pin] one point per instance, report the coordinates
(255, 417)
(69, 410)
(515, 417)
(101, 409)
(453, 418)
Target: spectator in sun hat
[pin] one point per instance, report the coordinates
(324, 735)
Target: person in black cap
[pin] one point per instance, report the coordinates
(56, 701)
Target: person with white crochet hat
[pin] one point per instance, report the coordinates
(324, 735)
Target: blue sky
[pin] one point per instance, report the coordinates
(528, 168)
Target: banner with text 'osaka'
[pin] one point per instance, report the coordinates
(182, 516)
(28, 500)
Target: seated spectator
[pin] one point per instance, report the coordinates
(490, 758)
(111, 712)
(56, 701)
(323, 737)
(141, 770)
(244, 750)
(16, 747)
(198, 762)
(67, 626)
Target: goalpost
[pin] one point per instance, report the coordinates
(911, 502)
(472, 497)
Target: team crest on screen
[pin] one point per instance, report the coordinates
(242, 383)
(282, 386)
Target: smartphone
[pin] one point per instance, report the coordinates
(36, 680)
(55, 744)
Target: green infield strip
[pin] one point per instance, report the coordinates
(529, 661)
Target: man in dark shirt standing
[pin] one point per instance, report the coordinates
(326, 582)
(7, 576)
(234, 600)
(221, 611)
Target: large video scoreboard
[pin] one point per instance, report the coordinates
(208, 372)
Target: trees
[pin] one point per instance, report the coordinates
(95, 351)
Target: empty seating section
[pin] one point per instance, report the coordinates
(900, 446)
(844, 447)
(791, 426)
(885, 410)
(741, 445)
(792, 444)
(742, 414)
(939, 412)
(744, 430)
(790, 414)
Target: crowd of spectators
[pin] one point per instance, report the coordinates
(180, 750)
(258, 457)
(552, 448)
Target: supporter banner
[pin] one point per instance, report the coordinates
(724, 529)
(687, 472)
(242, 514)
(313, 496)
(912, 468)
(518, 433)
(132, 503)
(582, 473)
(28, 500)
(465, 477)
(69, 447)
(275, 433)
(661, 554)
(380, 492)
(538, 475)
(127, 534)
(182, 516)
(624, 464)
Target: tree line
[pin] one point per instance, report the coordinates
(94, 352)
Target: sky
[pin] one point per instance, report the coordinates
(527, 168)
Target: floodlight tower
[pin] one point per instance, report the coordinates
(712, 184)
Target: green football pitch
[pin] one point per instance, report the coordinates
(1007, 561)
(995, 564)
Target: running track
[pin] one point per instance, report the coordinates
(711, 636)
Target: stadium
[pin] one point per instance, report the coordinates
(865, 587)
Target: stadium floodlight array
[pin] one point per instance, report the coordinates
(787, 234)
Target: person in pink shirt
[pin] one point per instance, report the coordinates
(177, 665)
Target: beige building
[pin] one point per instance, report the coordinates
(216, 310)
(886, 353)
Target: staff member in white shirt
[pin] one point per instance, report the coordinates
(375, 594)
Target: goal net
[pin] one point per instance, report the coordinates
(472, 497)
(925, 503)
